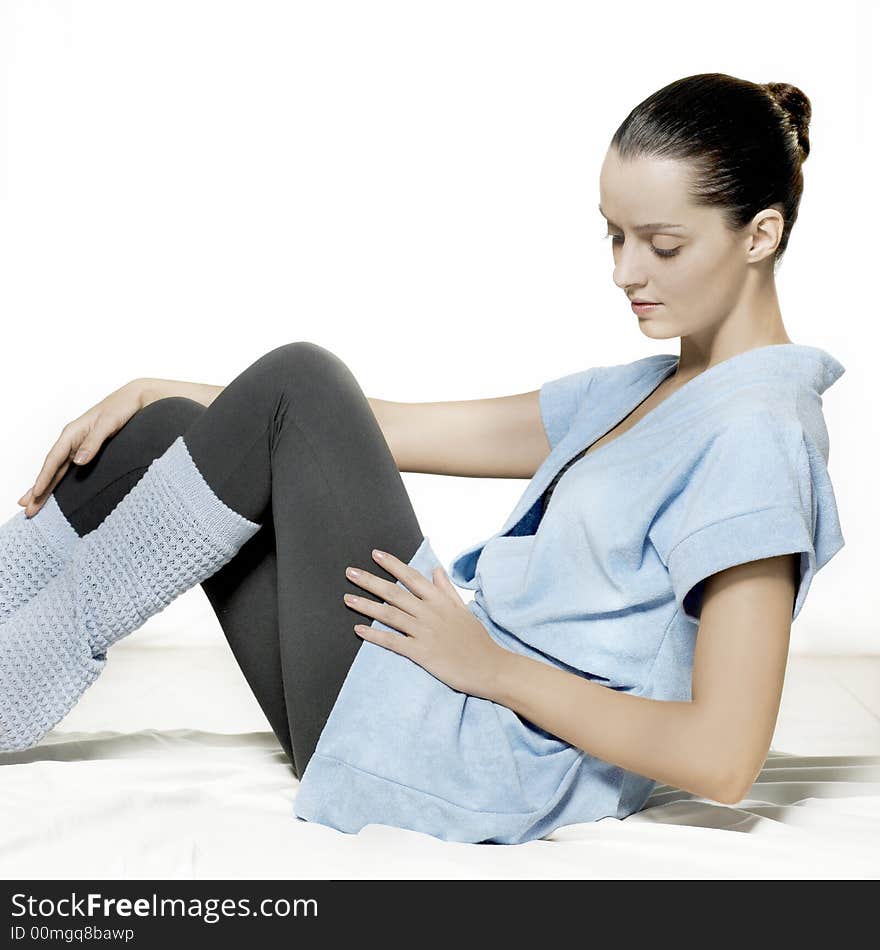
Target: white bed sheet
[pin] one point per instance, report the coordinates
(167, 769)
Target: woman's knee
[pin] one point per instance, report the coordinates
(302, 359)
(309, 371)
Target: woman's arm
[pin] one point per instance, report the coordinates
(500, 437)
(153, 389)
(714, 745)
(497, 437)
(665, 741)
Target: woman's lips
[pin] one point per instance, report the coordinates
(640, 309)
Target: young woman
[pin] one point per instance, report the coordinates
(631, 618)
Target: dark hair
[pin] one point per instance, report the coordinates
(745, 141)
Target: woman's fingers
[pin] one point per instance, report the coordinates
(81, 439)
(389, 591)
(59, 453)
(55, 465)
(37, 501)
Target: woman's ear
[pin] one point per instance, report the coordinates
(766, 233)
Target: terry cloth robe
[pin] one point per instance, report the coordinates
(607, 585)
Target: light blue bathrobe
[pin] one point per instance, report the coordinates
(729, 468)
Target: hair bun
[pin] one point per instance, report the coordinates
(796, 105)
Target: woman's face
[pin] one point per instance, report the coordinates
(692, 265)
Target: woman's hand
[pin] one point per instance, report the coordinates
(441, 634)
(82, 438)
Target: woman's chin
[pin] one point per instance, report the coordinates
(652, 330)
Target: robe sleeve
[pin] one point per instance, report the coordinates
(561, 399)
(758, 489)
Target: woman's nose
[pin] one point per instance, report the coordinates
(628, 272)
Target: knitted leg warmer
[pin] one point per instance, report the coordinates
(32, 551)
(169, 533)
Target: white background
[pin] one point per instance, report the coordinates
(413, 186)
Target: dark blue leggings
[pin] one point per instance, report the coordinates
(292, 444)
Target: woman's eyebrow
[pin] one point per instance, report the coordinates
(657, 225)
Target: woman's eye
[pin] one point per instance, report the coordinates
(659, 251)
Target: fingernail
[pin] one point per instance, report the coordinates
(352, 572)
(80, 456)
(378, 553)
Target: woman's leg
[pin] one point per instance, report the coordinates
(293, 443)
(243, 593)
